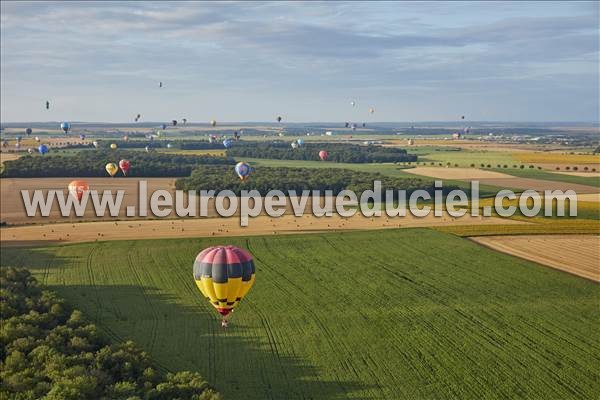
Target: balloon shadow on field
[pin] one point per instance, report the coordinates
(241, 361)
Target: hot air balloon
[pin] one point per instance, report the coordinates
(78, 188)
(323, 155)
(169, 145)
(163, 126)
(160, 84)
(279, 119)
(227, 143)
(28, 131)
(30, 150)
(184, 121)
(371, 110)
(82, 136)
(294, 145)
(47, 105)
(463, 117)
(213, 122)
(113, 146)
(4, 143)
(112, 169)
(212, 139)
(124, 165)
(65, 126)
(95, 143)
(353, 103)
(243, 170)
(174, 122)
(300, 142)
(37, 138)
(125, 138)
(43, 149)
(147, 148)
(19, 138)
(224, 275)
(17, 145)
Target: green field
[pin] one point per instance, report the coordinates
(551, 176)
(363, 315)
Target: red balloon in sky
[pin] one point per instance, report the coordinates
(124, 165)
(323, 155)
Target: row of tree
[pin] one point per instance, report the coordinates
(338, 152)
(92, 163)
(50, 351)
(264, 179)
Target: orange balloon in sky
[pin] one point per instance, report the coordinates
(78, 188)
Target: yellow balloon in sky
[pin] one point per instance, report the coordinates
(113, 146)
(112, 169)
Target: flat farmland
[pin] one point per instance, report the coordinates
(575, 254)
(356, 315)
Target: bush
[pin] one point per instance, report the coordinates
(522, 166)
(575, 168)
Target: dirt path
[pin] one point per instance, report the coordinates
(209, 227)
(575, 254)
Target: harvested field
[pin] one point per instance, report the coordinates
(575, 254)
(584, 174)
(455, 173)
(215, 227)
(4, 156)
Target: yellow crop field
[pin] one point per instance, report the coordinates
(556, 158)
(211, 152)
(538, 226)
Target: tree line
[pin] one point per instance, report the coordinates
(51, 351)
(265, 179)
(92, 163)
(338, 152)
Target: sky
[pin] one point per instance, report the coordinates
(305, 61)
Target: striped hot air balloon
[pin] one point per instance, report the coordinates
(224, 275)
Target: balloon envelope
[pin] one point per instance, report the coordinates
(78, 188)
(112, 169)
(243, 170)
(300, 142)
(224, 275)
(124, 165)
(323, 155)
(65, 126)
(43, 149)
(213, 122)
(37, 138)
(28, 131)
(227, 143)
(113, 146)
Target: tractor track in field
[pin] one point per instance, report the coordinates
(147, 301)
(90, 272)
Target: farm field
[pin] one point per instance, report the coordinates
(575, 254)
(331, 318)
(41, 234)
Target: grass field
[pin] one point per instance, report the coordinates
(363, 315)
(551, 176)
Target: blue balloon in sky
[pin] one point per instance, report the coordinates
(43, 149)
(65, 126)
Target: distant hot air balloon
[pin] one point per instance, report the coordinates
(174, 122)
(212, 139)
(124, 165)
(243, 170)
(363, 125)
(294, 145)
(112, 169)
(95, 143)
(227, 143)
(163, 126)
(47, 105)
(160, 84)
(323, 155)
(19, 138)
(347, 125)
(30, 150)
(43, 149)
(224, 275)
(462, 117)
(147, 148)
(279, 119)
(213, 122)
(300, 142)
(28, 131)
(113, 146)
(18, 145)
(169, 145)
(82, 136)
(4, 143)
(353, 103)
(371, 110)
(65, 126)
(125, 138)
(78, 188)
(184, 121)
(37, 138)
